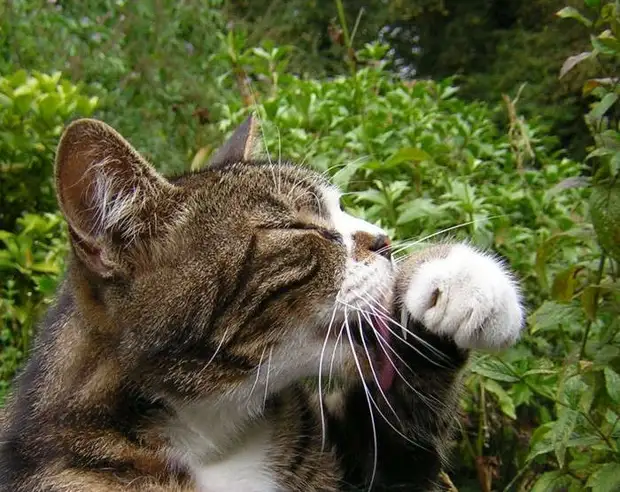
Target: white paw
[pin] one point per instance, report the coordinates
(469, 296)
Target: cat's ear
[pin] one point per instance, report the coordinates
(243, 144)
(107, 192)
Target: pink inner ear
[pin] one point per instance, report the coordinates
(90, 254)
(94, 166)
(84, 144)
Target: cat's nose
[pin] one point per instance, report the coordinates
(381, 245)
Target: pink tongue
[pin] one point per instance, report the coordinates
(386, 369)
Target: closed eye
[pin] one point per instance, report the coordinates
(328, 234)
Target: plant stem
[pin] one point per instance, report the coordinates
(599, 276)
(343, 24)
(347, 38)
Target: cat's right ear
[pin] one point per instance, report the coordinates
(110, 196)
(242, 145)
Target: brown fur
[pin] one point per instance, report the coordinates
(177, 294)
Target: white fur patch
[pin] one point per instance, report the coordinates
(223, 440)
(365, 286)
(209, 440)
(346, 224)
(244, 471)
(477, 301)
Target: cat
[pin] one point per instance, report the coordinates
(211, 330)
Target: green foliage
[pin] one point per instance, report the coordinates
(33, 111)
(148, 61)
(411, 156)
(31, 261)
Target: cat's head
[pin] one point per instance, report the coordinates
(205, 282)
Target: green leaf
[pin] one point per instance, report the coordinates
(552, 314)
(405, 155)
(494, 369)
(346, 173)
(5, 101)
(373, 196)
(562, 432)
(600, 108)
(609, 41)
(614, 164)
(415, 210)
(612, 383)
(572, 61)
(553, 481)
(541, 442)
(563, 287)
(573, 13)
(48, 106)
(505, 402)
(606, 478)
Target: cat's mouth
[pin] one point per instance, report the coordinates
(376, 347)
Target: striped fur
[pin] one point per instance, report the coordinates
(196, 315)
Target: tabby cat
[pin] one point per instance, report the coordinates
(204, 320)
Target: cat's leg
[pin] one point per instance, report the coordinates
(448, 300)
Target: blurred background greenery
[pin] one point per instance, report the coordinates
(496, 119)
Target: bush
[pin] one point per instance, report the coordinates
(149, 62)
(31, 262)
(33, 110)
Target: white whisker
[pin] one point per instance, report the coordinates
(368, 399)
(327, 334)
(260, 361)
(267, 377)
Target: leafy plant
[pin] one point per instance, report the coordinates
(33, 111)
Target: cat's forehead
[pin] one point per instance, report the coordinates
(261, 178)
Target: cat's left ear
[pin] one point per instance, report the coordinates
(243, 145)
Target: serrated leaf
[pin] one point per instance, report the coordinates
(572, 61)
(551, 314)
(612, 383)
(605, 479)
(494, 369)
(573, 13)
(562, 432)
(552, 481)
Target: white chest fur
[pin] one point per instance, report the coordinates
(206, 442)
(243, 471)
